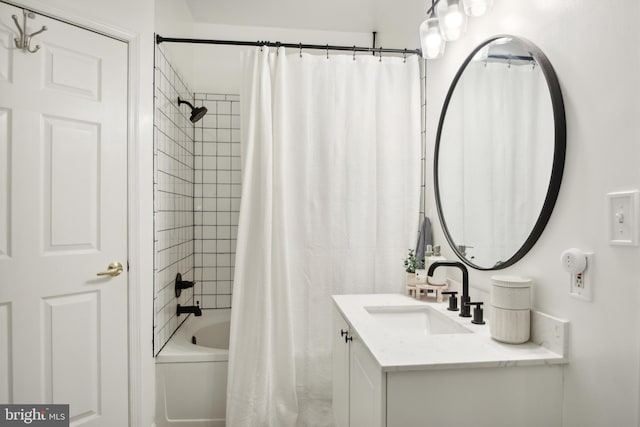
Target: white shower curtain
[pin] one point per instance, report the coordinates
(330, 202)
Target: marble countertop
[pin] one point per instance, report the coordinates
(395, 351)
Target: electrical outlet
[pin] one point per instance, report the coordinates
(580, 286)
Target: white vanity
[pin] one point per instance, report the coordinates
(400, 362)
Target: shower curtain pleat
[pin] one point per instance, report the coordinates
(330, 202)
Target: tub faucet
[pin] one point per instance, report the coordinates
(465, 310)
(195, 309)
(180, 284)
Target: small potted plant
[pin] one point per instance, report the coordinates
(410, 265)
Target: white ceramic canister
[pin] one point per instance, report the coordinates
(510, 309)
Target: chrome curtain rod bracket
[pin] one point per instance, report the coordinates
(24, 41)
(300, 46)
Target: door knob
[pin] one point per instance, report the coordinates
(115, 268)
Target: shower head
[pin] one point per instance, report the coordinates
(196, 112)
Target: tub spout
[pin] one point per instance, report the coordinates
(195, 309)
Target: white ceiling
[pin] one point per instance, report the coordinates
(327, 15)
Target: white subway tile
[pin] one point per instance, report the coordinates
(223, 301)
(224, 107)
(209, 301)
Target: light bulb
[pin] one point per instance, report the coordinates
(433, 40)
(452, 20)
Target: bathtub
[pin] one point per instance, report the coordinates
(191, 380)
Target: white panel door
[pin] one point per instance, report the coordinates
(63, 218)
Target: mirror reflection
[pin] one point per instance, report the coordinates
(495, 153)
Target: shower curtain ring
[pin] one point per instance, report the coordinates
(354, 52)
(327, 51)
(404, 56)
(300, 50)
(380, 52)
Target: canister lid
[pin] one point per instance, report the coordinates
(511, 281)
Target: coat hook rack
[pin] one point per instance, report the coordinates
(24, 42)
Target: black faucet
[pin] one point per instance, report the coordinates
(195, 309)
(465, 310)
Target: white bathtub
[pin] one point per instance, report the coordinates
(191, 380)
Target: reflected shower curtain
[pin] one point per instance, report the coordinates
(514, 162)
(330, 202)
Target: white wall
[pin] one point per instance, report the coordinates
(593, 47)
(136, 19)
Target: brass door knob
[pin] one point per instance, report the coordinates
(115, 268)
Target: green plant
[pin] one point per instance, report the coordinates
(410, 262)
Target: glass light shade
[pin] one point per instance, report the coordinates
(476, 7)
(453, 22)
(431, 40)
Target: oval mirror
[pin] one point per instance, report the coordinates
(499, 152)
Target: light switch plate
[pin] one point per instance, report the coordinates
(622, 218)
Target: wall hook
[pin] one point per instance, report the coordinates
(24, 41)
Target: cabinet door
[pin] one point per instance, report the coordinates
(340, 371)
(366, 391)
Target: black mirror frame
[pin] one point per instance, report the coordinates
(560, 144)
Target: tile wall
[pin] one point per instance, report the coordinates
(216, 197)
(173, 198)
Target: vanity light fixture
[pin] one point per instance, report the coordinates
(476, 8)
(431, 39)
(448, 18)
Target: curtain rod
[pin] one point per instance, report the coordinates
(160, 39)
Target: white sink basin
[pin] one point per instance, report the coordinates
(422, 320)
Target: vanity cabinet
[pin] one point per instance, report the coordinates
(366, 394)
(358, 381)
